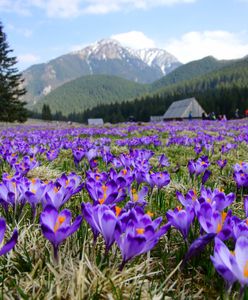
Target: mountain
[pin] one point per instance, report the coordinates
(222, 91)
(190, 71)
(104, 57)
(89, 91)
(157, 58)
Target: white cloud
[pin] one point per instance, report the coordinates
(74, 8)
(134, 39)
(220, 44)
(22, 31)
(28, 58)
(18, 6)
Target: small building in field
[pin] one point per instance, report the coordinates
(156, 118)
(95, 122)
(184, 109)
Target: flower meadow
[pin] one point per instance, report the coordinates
(131, 211)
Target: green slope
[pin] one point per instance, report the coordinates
(231, 73)
(89, 91)
(221, 91)
(191, 70)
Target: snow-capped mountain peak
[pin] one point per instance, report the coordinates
(157, 58)
(112, 49)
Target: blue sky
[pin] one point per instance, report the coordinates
(39, 30)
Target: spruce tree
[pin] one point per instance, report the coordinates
(46, 112)
(11, 89)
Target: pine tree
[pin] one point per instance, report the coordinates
(46, 112)
(11, 108)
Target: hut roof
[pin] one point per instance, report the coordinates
(182, 108)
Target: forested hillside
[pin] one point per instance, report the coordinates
(221, 91)
(89, 91)
(191, 71)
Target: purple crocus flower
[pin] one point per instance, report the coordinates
(136, 233)
(241, 179)
(137, 198)
(217, 198)
(239, 227)
(58, 193)
(221, 163)
(206, 176)
(160, 179)
(226, 148)
(28, 163)
(213, 221)
(12, 241)
(163, 161)
(52, 154)
(11, 193)
(234, 263)
(198, 148)
(223, 261)
(198, 167)
(190, 199)
(107, 193)
(181, 219)
(102, 219)
(240, 174)
(34, 193)
(78, 155)
(56, 226)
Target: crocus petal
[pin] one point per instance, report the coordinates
(199, 245)
(246, 206)
(241, 254)
(133, 246)
(108, 223)
(10, 244)
(49, 216)
(2, 229)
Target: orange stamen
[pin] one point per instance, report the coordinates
(246, 269)
(223, 216)
(101, 201)
(124, 171)
(104, 188)
(195, 195)
(150, 214)
(140, 230)
(59, 222)
(219, 227)
(135, 197)
(117, 211)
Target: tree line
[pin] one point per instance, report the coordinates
(11, 84)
